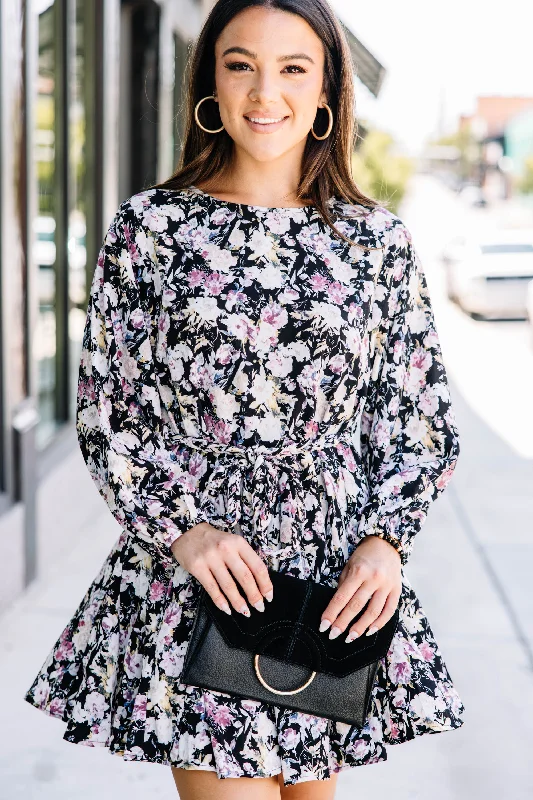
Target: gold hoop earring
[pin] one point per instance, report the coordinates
(198, 104)
(330, 126)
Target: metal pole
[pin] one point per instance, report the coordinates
(24, 426)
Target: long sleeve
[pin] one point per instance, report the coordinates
(120, 429)
(409, 437)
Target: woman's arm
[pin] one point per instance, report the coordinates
(409, 436)
(409, 444)
(149, 486)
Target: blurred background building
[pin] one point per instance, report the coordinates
(91, 99)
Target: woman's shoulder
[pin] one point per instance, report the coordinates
(150, 207)
(374, 226)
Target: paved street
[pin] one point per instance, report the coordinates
(471, 569)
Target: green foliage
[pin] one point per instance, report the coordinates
(466, 143)
(525, 183)
(380, 172)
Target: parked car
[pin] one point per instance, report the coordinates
(487, 274)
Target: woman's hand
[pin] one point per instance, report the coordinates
(209, 554)
(372, 571)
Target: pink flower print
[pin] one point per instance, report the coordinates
(311, 429)
(394, 730)
(347, 452)
(196, 278)
(421, 359)
(318, 282)
(337, 364)
(157, 591)
(222, 432)
(41, 693)
(220, 216)
(65, 651)
(290, 294)
(429, 402)
(275, 315)
(197, 465)
(381, 433)
(57, 707)
(173, 615)
(399, 697)
(337, 292)
(224, 354)
(251, 706)
(400, 669)
(427, 651)
(216, 282)
(444, 478)
(221, 715)
(154, 220)
(133, 665)
(139, 708)
(137, 318)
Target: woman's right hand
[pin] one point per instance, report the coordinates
(209, 554)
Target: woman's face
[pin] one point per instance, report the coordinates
(269, 65)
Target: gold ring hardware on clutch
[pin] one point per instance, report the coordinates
(280, 691)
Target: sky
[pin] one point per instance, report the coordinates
(439, 58)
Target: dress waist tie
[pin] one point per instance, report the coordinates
(250, 486)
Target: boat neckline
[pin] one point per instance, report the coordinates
(233, 204)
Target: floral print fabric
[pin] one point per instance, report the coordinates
(246, 367)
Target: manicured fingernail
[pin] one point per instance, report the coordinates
(334, 632)
(370, 631)
(324, 625)
(245, 610)
(269, 595)
(351, 636)
(259, 605)
(226, 608)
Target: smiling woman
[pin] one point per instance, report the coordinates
(261, 385)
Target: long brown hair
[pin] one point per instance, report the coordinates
(327, 165)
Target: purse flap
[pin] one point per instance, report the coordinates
(288, 628)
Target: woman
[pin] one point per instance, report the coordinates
(257, 388)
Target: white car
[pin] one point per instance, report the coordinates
(487, 274)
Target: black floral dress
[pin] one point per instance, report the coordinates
(244, 366)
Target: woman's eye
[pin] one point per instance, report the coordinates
(235, 66)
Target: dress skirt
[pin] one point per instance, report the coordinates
(113, 677)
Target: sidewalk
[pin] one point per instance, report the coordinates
(489, 757)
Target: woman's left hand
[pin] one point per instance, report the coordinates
(372, 571)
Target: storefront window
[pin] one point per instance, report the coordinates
(45, 225)
(77, 224)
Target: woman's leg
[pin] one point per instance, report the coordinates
(199, 784)
(309, 790)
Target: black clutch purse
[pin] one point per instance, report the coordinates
(268, 656)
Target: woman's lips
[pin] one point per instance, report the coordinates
(268, 127)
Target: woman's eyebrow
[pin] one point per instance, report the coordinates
(244, 52)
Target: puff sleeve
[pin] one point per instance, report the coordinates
(120, 427)
(409, 436)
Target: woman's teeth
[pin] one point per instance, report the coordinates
(264, 121)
